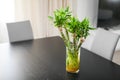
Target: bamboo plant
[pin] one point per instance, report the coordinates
(71, 27)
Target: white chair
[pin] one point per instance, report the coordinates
(104, 43)
(19, 31)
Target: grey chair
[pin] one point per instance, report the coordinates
(104, 43)
(19, 31)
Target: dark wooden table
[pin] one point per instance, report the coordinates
(44, 59)
(94, 67)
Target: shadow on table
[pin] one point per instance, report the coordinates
(72, 76)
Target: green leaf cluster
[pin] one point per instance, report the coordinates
(72, 25)
(63, 19)
(61, 16)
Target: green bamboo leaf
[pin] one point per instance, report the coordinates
(50, 17)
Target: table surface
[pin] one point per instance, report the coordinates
(44, 59)
(94, 67)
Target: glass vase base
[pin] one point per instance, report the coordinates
(69, 71)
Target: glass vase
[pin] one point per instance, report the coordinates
(72, 60)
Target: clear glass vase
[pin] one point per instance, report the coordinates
(72, 60)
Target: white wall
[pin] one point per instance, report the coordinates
(89, 9)
(6, 15)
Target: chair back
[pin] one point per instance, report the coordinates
(19, 31)
(104, 43)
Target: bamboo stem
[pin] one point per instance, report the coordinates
(81, 41)
(67, 34)
(63, 36)
(74, 41)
